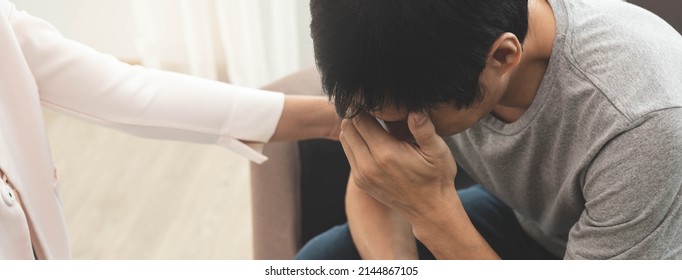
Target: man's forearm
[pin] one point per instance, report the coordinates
(377, 231)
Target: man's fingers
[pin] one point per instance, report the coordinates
(424, 133)
(347, 150)
(354, 140)
(370, 130)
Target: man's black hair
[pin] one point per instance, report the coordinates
(408, 53)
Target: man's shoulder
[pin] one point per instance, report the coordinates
(654, 137)
(629, 54)
(665, 124)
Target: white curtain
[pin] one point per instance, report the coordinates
(244, 42)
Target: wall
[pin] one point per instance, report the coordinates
(106, 25)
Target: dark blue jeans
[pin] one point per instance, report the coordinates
(493, 219)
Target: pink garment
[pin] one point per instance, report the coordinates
(39, 66)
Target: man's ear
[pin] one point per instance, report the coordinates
(505, 53)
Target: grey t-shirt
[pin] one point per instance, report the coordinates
(593, 169)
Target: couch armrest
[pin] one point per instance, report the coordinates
(275, 200)
(275, 185)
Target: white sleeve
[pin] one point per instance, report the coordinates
(80, 81)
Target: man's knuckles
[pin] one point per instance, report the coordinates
(386, 157)
(368, 175)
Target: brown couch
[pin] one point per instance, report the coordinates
(299, 192)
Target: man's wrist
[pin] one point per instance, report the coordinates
(434, 210)
(436, 217)
(448, 233)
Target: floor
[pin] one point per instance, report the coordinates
(131, 198)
